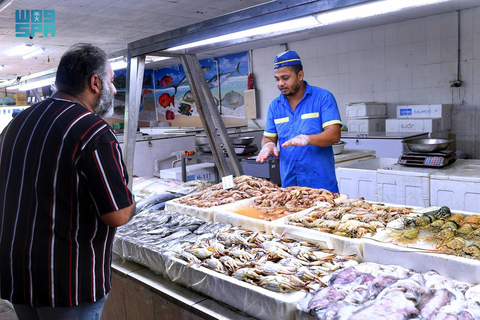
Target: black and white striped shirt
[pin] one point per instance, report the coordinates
(60, 168)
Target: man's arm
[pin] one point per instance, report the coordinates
(331, 134)
(269, 146)
(118, 217)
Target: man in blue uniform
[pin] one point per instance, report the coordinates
(305, 122)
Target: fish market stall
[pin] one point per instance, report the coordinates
(338, 258)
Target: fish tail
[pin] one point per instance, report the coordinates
(238, 69)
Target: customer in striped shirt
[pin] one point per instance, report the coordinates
(63, 192)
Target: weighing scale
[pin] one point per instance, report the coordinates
(433, 159)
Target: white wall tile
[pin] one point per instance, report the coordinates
(448, 25)
(378, 58)
(476, 18)
(476, 45)
(378, 80)
(433, 28)
(360, 39)
(343, 43)
(404, 33)
(466, 22)
(418, 53)
(378, 37)
(327, 45)
(391, 56)
(419, 77)
(404, 78)
(391, 79)
(391, 35)
(343, 63)
(361, 60)
(449, 49)
(433, 48)
(419, 31)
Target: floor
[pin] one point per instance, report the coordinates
(6, 311)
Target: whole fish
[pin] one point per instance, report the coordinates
(179, 234)
(214, 81)
(232, 100)
(184, 79)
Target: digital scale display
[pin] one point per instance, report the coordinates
(434, 161)
(440, 159)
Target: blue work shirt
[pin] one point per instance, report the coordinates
(308, 166)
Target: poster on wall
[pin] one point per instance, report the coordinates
(226, 77)
(147, 105)
(166, 94)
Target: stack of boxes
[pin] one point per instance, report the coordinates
(366, 117)
(20, 99)
(436, 119)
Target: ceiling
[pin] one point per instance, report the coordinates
(114, 24)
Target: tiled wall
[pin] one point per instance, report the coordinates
(409, 62)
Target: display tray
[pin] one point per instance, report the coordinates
(457, 268)
(199, 212)
(244, 213)
(139, 254)
(255, 301)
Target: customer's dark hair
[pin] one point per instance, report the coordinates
(78, 65)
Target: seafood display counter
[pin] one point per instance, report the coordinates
(326, 257)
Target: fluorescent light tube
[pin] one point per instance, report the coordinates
(34, 85)
(120, 64)
(370, 9)
(33, 53)
(290, 26)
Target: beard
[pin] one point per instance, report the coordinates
(104, 105)
(294, 89)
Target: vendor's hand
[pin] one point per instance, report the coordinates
(299, 141)
(267, 149)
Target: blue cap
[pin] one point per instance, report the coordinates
(287, 58)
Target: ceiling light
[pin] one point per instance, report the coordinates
(33, 53)
(34, 84)
(118, 63)
(325, 18)
(291, 26)
(2, 66)
(370, 9)
(20, 50)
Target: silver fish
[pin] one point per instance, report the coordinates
(232, 100)
(213, 82)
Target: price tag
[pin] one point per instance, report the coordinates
(227, 182)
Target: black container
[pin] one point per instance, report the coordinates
(269, 169)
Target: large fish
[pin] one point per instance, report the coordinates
(232, 100)
(166, 100)
(213, 82)
(184, 79)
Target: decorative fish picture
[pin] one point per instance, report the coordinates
(165, 82)
(226, 77)
(166, 100)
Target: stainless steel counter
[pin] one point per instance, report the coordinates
(382, 135)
